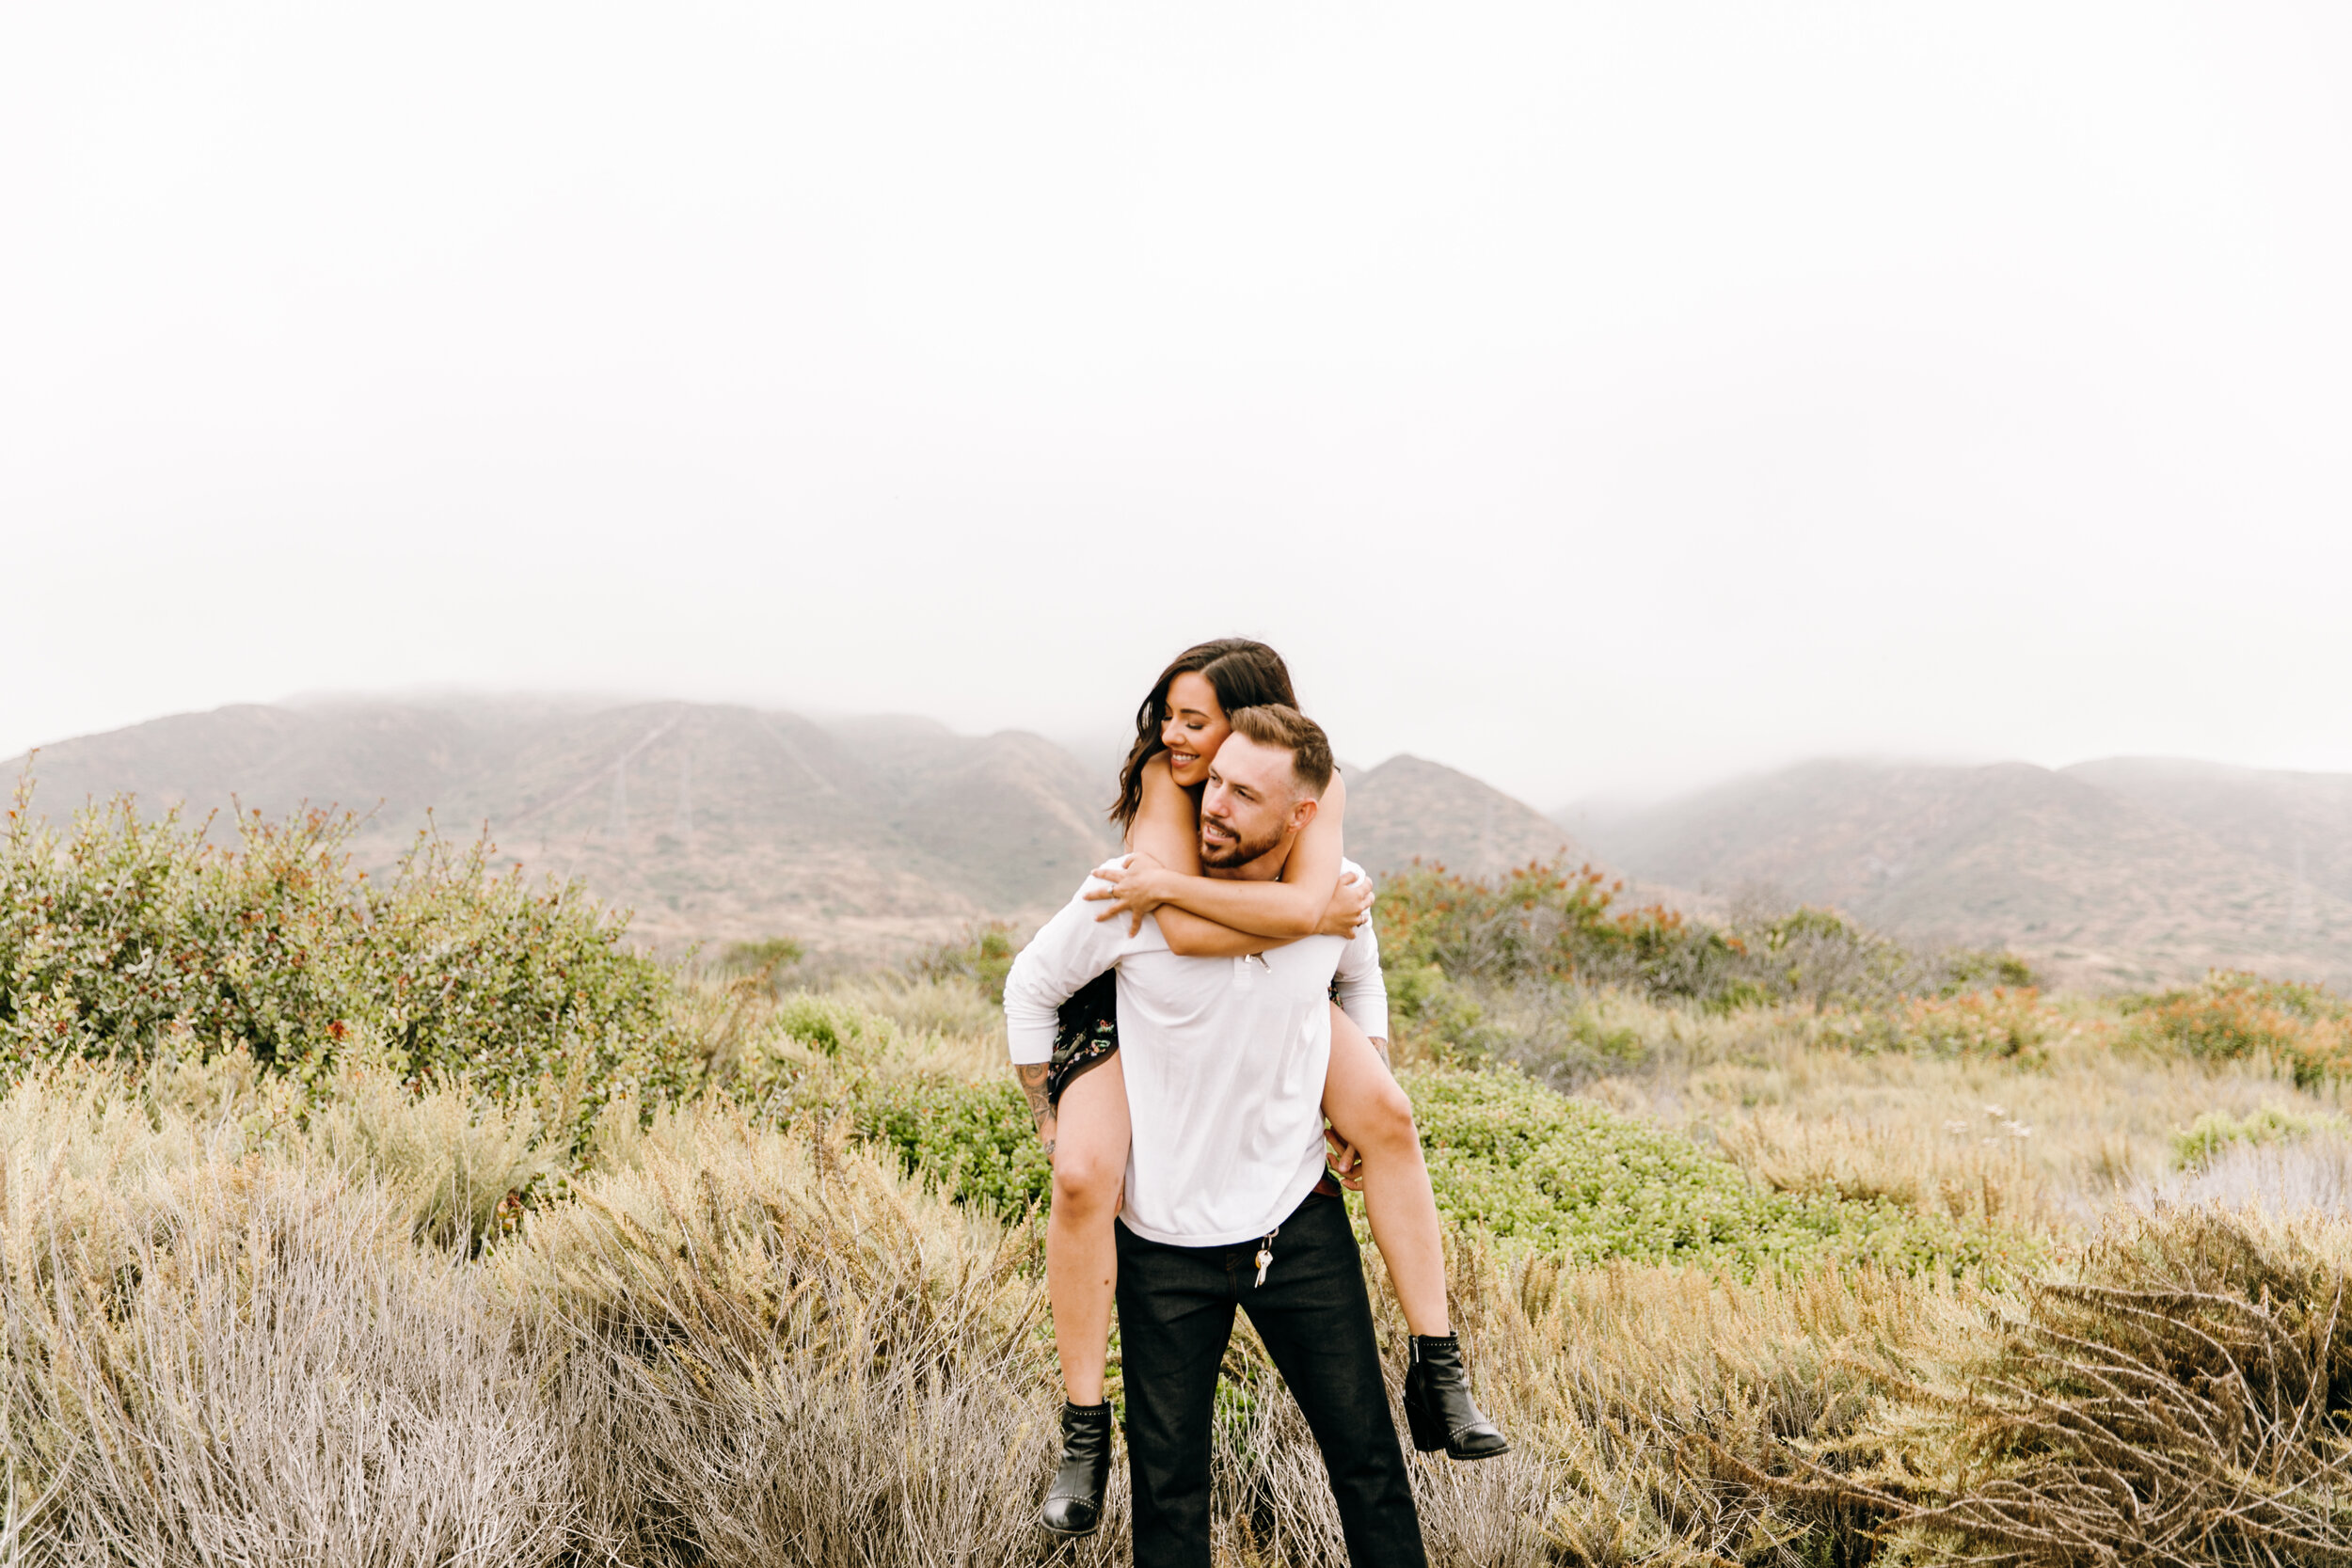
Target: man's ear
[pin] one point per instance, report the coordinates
(1303, 811)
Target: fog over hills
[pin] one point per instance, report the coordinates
(723, 823)
(870, 834)
(2114, 873)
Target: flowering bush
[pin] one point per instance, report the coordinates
(1999, 1023)
(2234, 1014)
(1546, 922)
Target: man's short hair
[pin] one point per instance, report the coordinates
(1286, 729)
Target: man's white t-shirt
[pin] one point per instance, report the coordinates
(1224, 1061)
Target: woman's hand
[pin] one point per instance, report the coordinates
(1350, 901)
(1346, 1164)
(1136, 890)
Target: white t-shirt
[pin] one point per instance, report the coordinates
(1224, 1061)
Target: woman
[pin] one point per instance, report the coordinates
(1178, 730)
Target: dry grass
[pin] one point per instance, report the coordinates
(2277, 1182)
(2178, 1397)
(243, 1327)
(233, 1338)
(769, 1341)
(2050, 1141)
(218, 1355)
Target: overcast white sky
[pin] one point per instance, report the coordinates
(1592, 398)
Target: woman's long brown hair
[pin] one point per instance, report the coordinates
(1243, 674)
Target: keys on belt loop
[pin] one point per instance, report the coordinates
(1265, 1254)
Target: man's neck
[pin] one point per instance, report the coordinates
(1265, 868)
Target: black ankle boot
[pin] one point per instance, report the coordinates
(1073, 1504)
(1438, 1402)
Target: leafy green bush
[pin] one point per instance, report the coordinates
(1969, 966)
(2234, 1014)
(2216, 1133)
(831, 1026)
(1568, 1178)
(976, 1140)
(127, 937)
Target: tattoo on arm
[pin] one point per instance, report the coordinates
(1382, 1047)
(1032, 1076)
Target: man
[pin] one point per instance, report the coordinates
(1224, 1061)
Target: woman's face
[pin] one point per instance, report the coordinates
(1193, 727)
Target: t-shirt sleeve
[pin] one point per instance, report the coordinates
(1068, 951)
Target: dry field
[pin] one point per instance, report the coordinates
(251, 1324)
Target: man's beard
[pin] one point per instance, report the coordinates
(1241, 851)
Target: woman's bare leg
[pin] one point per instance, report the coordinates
(1371, 1112)
(1090, 1134)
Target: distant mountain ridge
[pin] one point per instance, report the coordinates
(2122, 872)
(721, 823)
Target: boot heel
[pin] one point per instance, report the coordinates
(1428, 1430)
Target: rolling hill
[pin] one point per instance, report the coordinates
(719, 823)
(2111, 873)
(1409, 808)
(713, 822)
(2299, 822)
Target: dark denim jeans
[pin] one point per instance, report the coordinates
(1175, 1314)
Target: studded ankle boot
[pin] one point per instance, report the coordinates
(1438, 1402)
(1073, 1504)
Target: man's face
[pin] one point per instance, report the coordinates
(1249, 804)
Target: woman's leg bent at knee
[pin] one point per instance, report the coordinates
(1370, 1109)
(1081, 1252)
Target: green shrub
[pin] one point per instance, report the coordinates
(1969, 968)
(2216, 1133)
(126, 936)
(813, 1055)
(1541, 921)
(1506, 1156)
(976, 1140)
(1565, 1176)
(829, 1025)
(1531, 1168)
(1437, 1014)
